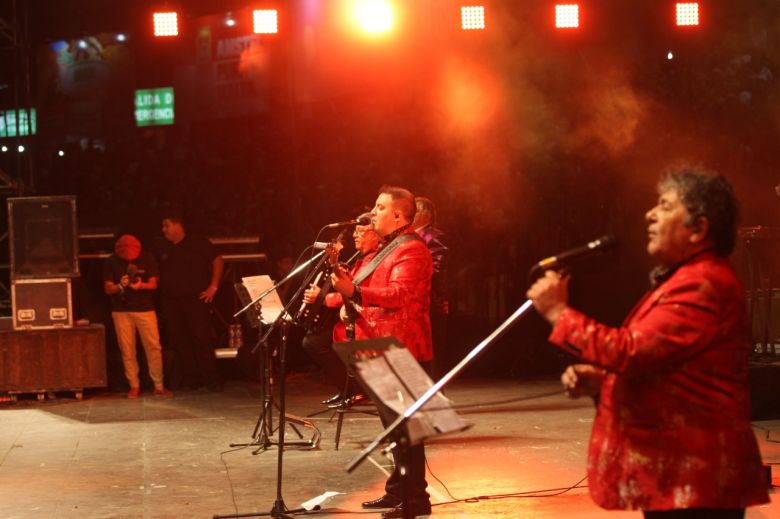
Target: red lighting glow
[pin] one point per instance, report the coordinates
(687, 14)
(166, 24)
(265, 21)
(472, 18)
(374, 16)
(567, 16)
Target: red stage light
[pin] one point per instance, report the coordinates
(687, 14)
(472, 18)
(166, 23)
(567, 16)
(265, 21)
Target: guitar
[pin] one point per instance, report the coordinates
(309, 316)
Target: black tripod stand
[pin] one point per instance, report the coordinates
(264, 427)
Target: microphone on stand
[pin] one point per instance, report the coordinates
(364, 220)
(602, 244)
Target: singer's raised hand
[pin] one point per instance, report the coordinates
(550, 295)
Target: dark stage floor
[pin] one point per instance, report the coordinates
(109, 457)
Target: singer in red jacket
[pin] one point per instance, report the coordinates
(672, 434)
(395, 301)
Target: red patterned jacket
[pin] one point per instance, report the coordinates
(672, 428)
(396, 299)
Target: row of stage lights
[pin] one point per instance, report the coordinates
(377, 16)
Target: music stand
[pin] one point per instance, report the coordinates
(394, 380)
(264, 422)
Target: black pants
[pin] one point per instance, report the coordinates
(412, 486)
(191, 337)
(698, 513)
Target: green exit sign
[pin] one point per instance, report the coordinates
(154, 107)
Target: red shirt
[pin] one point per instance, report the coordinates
(672, 428)
(396, 299)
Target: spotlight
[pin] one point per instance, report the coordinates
(472, 17)
(4, 148)
(265, 21)
(670, 55)
(61, 153)
(166, 23)
(230, 21)
(374, 16)
(121, 37)
(567, 16)
(82, 44)
(20, 148)
(687, 14)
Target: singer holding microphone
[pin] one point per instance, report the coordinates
(130, 278)
(672, 433)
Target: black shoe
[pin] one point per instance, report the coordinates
(416, 508)
(332, 400)
(386, 501)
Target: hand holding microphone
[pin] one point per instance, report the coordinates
(550, 295)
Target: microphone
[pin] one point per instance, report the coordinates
(598, 245)
(364, 220)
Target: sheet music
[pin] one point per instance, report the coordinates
(384, 374)
(271, 304)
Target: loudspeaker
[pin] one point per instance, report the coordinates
(41, 303)
(43, 237)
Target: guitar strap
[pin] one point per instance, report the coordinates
(376, 260)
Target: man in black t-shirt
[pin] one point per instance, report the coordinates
(190, 272)
(130, 277)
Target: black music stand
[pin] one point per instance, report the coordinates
(395, 380)
(264, 424)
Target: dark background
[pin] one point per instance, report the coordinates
(530, 140)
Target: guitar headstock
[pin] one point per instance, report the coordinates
(334, 248)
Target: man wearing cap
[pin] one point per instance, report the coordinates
(130, 278)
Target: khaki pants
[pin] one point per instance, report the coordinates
(126, 324)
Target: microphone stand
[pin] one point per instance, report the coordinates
(420, 402)
(279, 509)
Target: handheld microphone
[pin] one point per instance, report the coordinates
(364, 220)
(602, 244)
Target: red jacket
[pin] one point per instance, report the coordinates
(672, 428)
(396, 300)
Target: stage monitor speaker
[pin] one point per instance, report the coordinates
(43, 237)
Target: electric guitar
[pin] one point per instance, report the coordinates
(310, 315)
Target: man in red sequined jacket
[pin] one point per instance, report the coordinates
(395, 301)
(672, 434)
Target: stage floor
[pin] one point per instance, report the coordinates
(110, 457)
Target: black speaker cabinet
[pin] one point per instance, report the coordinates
(43, 237)
(41, 303)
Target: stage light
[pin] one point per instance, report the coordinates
(472, 17)
(670, 55)
(687, 14)
(82, 44)
(265, 21)
(374, 16)
(20, 148)
(61, 153)
(4, 149)
(166, 23)
(121, 37)
(567, 16)
(230, 21)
